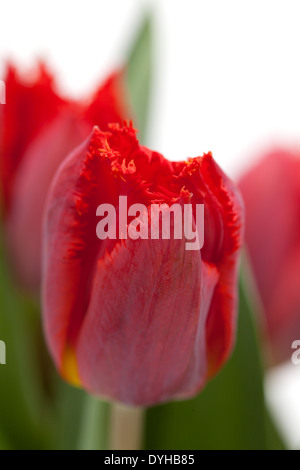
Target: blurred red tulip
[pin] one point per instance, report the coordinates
(271, 191)
(138, 321)
(38, 129)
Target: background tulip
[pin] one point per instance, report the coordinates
(39, 129)
(271, 190)
(138, 321)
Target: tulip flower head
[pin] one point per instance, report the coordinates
(138, 320)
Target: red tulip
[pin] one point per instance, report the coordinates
(38, 130)
(138, 321)
(271, 192)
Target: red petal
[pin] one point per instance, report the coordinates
(143, 337)
(223, 237)
(31, 104)
(109, 104)
(84, 181)
(284, 308)
(221, 324)
(33, 179)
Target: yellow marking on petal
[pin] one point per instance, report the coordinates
(70, 367)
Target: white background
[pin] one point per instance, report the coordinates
(227, 80)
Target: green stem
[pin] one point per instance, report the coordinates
(93, 425)
(126, 427)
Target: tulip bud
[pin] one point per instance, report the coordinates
(271, 190)
(135, 319)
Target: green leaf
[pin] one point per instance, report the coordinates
(139, 75)
(80, 420)
(20, 391)
(93, 430)
(67, 416)
(4, 443)
(230, 413)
